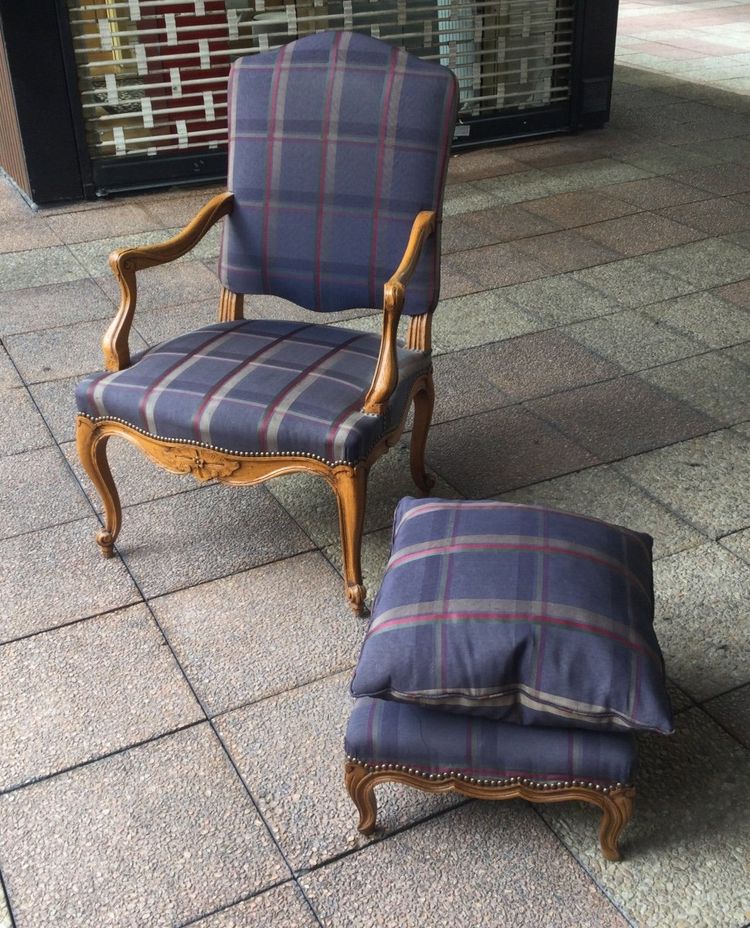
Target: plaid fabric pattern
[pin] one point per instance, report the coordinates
(517, 612)
(382, 732)
(336, 142)
(256, 387)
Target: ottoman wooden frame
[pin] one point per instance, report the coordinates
(615, 801)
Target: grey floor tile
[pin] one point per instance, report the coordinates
(516, 188)
(722, 179)
(732, 711)
(168, 285)
(312, 504)
(9, 377)
(56, 576)
(543, 363)
(597, 173)
(707, 480)
(713, 383)
(466, 198)
(709, 263)
(619, 418)
(602, 493)
(260, 632)
(487, 162)
(497, 265)
(38, 491)
(90, 689)
(281, 907)
(560, 299)
(44, 307)
(125, 219)
(686, 846)
(738, 543)
(25, 234)
(639, 234)
(491, 226)
(632, 283)
(704, 316)
(137, 478)
(20, 269)
(464, 382)
(56, 402)
(655, 192)
(94, 254)
(157, 835)
(178, 541)
(702, 600)
(567, 250)
(21, 426)
(579, 208)
(477, 319)
(160, 325)
(715, 217)
(62, 352)
(738, 293)
(300, 735)
(501, 450)
(497, 865)
(5, 920)
(632, 341)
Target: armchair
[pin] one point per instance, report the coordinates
(338, 155)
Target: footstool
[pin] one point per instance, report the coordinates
(511, 653)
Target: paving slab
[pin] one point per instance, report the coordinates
(311, 502)
(632, 340)
(300, 735)
(708, 263)
(608, 418)
(567, 250)
(501, 450)
(546, 362)
(487, 162)
(183, 281)
(87, 690)
(477, 319)
(738, 293)
(633, 283)
(490, 227)
(166, 322)
(260, 632)
(496, 864)
(602, 493)
(39, 266)
(55, 576)
(65, 351)
(178, 541)
(706, 480)
(702, 617)
(559, 299)
(515, 188)
(498, 265)
(655, 192)
(723, 179)
(579, 208)
(596, 173)
(714, 383)
(686, 846)
(25, 234)
(157, 835)
(55, 399)
(125, 219)
(464, 382)
(704, 316)
(44, 307)
(376, 550)
(717, 216)
(732, 711)
(94, 254)
(9, 377)
(281, 907)
(738, 543)
(21, 426)
(640, 233)
(38, 491)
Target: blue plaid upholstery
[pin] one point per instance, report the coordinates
(517, 612)
(336, 142)
(257, 387)
(430, 742)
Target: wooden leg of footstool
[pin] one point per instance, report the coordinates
(360, 785)
(617, 808)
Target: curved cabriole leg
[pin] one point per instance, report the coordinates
(424, 401)
(616, 811)
(92, 451)
(350, 486)
(359, 784)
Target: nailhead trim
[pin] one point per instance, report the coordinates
(481, 781)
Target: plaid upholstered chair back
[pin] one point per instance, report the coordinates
(336, 142)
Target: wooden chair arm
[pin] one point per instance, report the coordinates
(385, 378)
(125, 262)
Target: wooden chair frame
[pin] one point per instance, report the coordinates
(349, 483)
(616, 802)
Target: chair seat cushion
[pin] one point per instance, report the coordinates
(517, 612)
(257, 387)
(432, 742)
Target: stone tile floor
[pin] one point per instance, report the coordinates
(172, 720)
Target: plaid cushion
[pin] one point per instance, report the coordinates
(257, 387)
(381, 732)
(517, 612)
(336, 142)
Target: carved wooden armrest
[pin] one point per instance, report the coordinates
(126, 261)
(385, 378)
